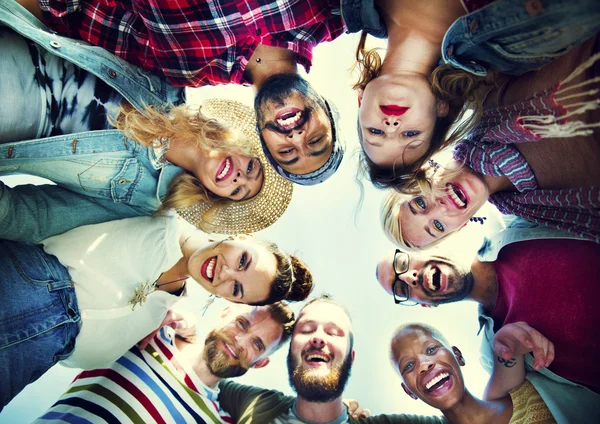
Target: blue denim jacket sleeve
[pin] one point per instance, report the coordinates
(25, 214)
(517, 36)
(137, 85)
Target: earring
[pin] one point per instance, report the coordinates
(479, 219)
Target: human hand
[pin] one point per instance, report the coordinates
(354, 409)
(517, 339)
(182, 322)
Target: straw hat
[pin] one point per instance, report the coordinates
(249, 215)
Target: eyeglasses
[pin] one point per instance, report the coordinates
(400, 289)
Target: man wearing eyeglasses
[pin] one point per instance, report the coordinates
(529, 273)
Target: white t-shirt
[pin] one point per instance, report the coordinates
(107, 262)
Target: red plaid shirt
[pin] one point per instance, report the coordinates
(195, 43)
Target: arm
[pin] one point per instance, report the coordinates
(34, 213)
(402, 419)
(510, 343)
(249, 404)
(33, 7)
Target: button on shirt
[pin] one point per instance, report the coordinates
(196, 43)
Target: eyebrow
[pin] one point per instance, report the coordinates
(258, 174)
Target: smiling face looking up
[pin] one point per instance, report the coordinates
(321, 354)
(247, 338)
(232, 176)
(424, 220)
(397, 116)
(294, 124)
(241, 270)
(429, 280)
(429, 369)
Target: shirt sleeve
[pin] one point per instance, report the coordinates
(402, 419)
(252, 405)
(32, 213)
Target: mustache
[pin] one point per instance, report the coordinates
(305, 116)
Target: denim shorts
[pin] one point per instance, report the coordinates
(39, 317)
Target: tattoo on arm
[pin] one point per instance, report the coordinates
(508, 363)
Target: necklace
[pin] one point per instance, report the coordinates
(141, 293)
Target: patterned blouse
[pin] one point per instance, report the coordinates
(490, 150)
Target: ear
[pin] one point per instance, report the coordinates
(352, 356)
(408, 392)
(459, 356)
(442, 108)
(360, 95)
(261, 363)
(427, 306)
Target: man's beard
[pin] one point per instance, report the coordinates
(279, 87)
(316, 387)
(218, 362)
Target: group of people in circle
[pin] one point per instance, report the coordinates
(151, 195)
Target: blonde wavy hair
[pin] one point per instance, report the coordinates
(426, 184)
(464, 93)
(154, 126)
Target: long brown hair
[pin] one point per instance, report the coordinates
(460, 89)
(154, 126)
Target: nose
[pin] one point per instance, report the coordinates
(317, 342)
(410, 277)
(225, 274)
(391, 123)
(241, 339)
(425, 366)
(240, 177)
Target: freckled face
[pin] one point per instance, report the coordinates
(240, 271)
(397, 117)
(428, 369)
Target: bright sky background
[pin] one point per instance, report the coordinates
(342, 249)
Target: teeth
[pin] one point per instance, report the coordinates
(436, 380)
(314, 356)
(452, 193)
(230, 350)
(291, 120)
(430, 284)
(210, 268)
(225, 169)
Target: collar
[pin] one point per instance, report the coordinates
(339, 420)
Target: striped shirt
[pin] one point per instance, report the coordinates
(490, 150)
(196, 43)
(155, 385)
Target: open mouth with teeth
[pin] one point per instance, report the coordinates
(439, 385)
(230, 351)
(316, 358)
(224, 170)
(208, 268)
(457, 195)
(290, 119)
(435, 279)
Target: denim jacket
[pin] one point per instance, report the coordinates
(569, 402)
(517, 36)
(101, 175)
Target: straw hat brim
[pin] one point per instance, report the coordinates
(250, 215)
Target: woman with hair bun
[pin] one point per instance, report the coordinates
(408, 103)
(83, 298)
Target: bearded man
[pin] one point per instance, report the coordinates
(174, 380)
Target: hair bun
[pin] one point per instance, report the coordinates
(303, 281)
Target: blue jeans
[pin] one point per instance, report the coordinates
(39, 317)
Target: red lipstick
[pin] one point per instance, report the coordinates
(393, 110)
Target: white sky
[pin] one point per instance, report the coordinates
(320, 227)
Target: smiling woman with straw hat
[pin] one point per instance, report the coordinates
(208, 164)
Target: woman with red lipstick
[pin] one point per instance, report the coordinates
(86, 296)
(430, 371)
(407, 103)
